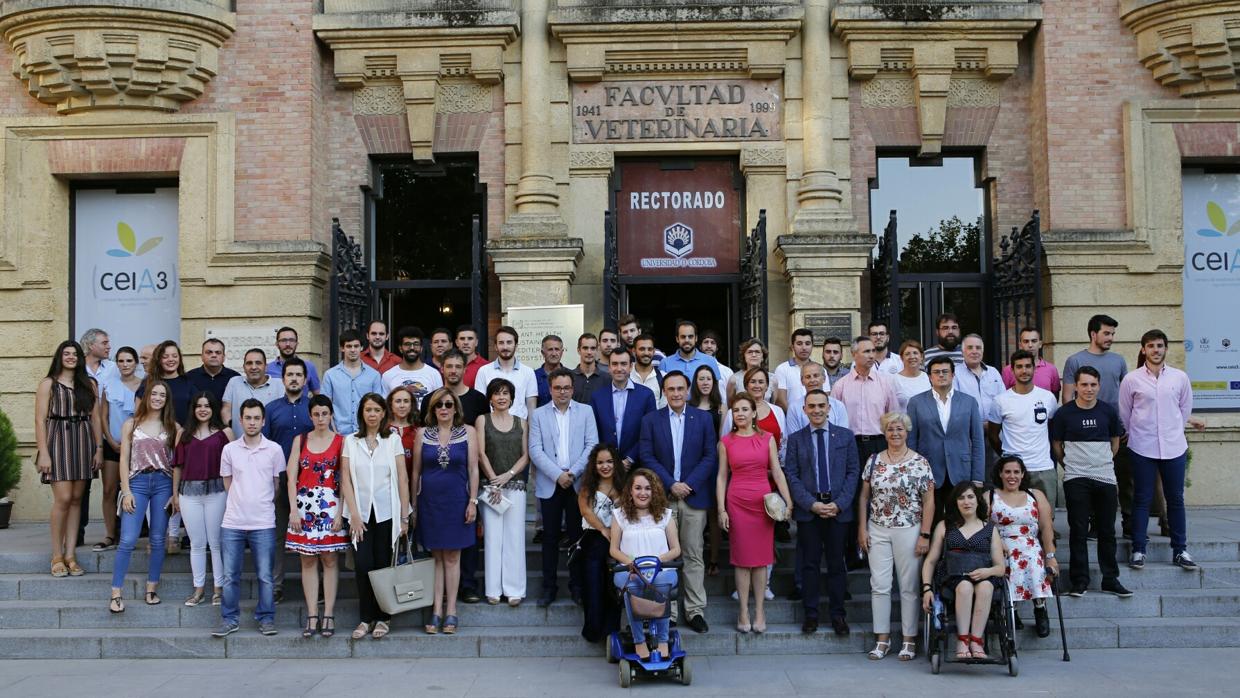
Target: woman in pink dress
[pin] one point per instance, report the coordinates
(748, 462)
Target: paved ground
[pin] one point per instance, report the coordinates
(1097, 672)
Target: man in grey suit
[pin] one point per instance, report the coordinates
(822, 471)
(562, 433)
(947, 430)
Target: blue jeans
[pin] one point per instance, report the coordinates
(149, 490)
(663, 582)
(263, 543)
(1171, 470)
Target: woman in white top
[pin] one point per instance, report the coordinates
(376, 493)
(642, 525)
(912, 380)
(753, 355)
(600, 491)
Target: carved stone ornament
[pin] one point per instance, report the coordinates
(1189, 45)
(759, 160)
(379, 99)
(82, 58)
(582, 161)
(463, 98)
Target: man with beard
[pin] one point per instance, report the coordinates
(630, 329)
(552, 351)
(467, 343)
(517, 373)
(710, 347)
(286, 344)
(287, 418)
(608, 339)
(441, 344)
(884, 360)
(832, 360)
(645, 372)
(688, 358)
(473, 403)
(377, 355)
(412, 372)
(587, 377)
(948, 328)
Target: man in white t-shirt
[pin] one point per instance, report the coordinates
(787, 380)
(508, 366)
(412, 372)
(1019, 424)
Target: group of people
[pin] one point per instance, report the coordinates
(631, 453)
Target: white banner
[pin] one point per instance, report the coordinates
(125, 266)
(1212, 287)
(532, 323)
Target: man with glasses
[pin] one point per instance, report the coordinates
(412, 372)
(885, 360)
(947, 326)
(286, 345)
(947, 430)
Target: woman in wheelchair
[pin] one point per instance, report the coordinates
(975, 562)
(642, 525)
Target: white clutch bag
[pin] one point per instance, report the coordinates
(499, 506)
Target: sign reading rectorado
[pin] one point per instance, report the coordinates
(678, 110)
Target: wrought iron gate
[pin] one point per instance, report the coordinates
(350, 288)
(611, 271)
(1016, 288)
(753, 283)
(885, 281)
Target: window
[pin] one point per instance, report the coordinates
(940, 211)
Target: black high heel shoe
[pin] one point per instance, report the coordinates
(312, 626)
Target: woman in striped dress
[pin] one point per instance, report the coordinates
(68, 435)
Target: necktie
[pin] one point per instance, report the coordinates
(824, 473)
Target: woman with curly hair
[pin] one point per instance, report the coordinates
(1023, 517)
(641, 526)
(600, 492)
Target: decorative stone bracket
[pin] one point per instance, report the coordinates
(133, 56)
(756, 48)
(930, 54)
(420, 61)
(1191, 45)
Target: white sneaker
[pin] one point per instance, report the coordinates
(770, 595)
(735, 596)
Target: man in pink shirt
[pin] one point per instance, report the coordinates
(867, 394)
(1045, 375)
(1155, 403)
(251, 468)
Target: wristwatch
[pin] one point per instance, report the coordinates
(925, 535)
(1049, 556)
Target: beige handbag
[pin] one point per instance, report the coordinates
(406, 587)
(775, 506)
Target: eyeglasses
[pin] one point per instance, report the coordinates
(941, 372)
(445, 404)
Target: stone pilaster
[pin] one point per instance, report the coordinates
(824, 276)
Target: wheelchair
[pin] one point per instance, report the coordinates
(620, 644)
(939, 626)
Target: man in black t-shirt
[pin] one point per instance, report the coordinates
(1085, 435)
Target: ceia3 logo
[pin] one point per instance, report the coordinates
(125, 236)
(678, 240)
(132, 280)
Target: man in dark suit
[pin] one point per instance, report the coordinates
(679, 444)
(822, 470)
(619, 407)
(947, 430)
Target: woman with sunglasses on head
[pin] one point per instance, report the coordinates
(116, 404)
(198, 491)
(445, 471)
(503, 457)
(376, 492)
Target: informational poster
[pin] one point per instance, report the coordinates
(238, 340)
(125, 275)
(678, 220)
(533, 323)
(1211, 287)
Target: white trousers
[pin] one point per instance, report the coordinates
(894, 547)
(204, 514)
(504, 539)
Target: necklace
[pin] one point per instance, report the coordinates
(896, 459)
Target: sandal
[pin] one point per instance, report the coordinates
(908, 651)
(152, 599)
(963, 640)
(328, 627)
(58, 567)
(312, 626)
(712, 570)
(217, 598)
(360, 631)
(432, 628)
(514, 602)
(196, 598)
(116, 605)
(978, 653)
(381, 630)
(881, 648)
(493, 600)
(75, 570)
(104, 545)
(449, 625)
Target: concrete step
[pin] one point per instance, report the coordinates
(408, 640)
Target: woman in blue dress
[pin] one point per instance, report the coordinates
(445, 473)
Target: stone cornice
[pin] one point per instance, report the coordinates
(125, 54)
(979, 40)
(1189, 45)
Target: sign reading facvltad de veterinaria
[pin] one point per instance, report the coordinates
(678, 110)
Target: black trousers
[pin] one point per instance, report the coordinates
(374, 552)
(1090, 498)
(598, 596)
(560, 505)
(815, 538)
(469, 565)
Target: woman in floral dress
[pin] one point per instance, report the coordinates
(1023, 517)
(315, 526)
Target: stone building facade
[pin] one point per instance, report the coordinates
(271, 118)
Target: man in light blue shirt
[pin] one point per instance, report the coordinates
(814, 377)
(688, 358)
(348, 381)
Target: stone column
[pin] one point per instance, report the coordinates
(534, 258)
(589, 179)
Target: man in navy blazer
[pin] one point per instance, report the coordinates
(679, 444)
(619, 407)
(822, 471)
(947, 430)
(562, 434)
